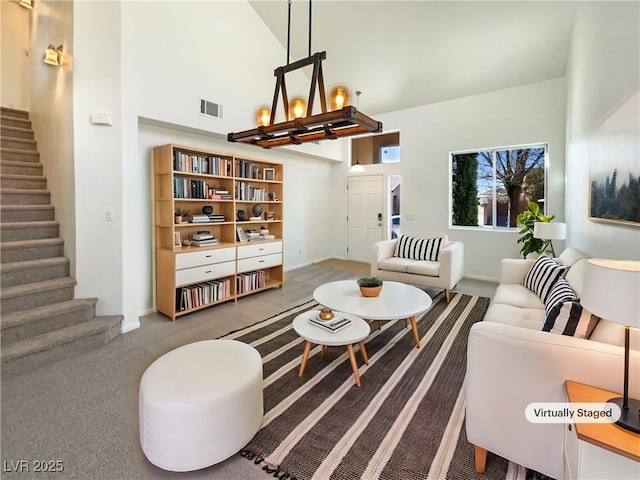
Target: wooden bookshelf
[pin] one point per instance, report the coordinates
(190, 178)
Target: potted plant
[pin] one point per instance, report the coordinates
(370, 286)
(526, 221)
(180, 213)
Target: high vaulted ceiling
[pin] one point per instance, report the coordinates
(402, 54)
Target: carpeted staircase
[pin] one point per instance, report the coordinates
(41, 321)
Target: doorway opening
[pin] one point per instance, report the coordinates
(394, 206)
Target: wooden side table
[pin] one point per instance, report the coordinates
(598, 450)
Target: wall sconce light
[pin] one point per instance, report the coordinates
(263, 117)
(27, 4)
(339, 97)
(53, 55)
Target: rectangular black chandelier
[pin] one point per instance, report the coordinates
(327, 125)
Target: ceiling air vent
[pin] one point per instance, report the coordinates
(210, 108)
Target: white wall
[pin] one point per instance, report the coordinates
(14, 61)
(603, 72)
(98, 155)
(521, 115)
(51, 112)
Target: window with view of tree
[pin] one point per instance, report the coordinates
(489, 188)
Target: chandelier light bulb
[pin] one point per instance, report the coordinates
(339, 97)
(297, 108)
(263, 118)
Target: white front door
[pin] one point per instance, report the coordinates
(364, 215)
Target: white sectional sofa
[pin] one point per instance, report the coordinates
(511, 363)
(444, 273)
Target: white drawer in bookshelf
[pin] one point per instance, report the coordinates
(206, 272)
(204, 257)
(259, 263)
(259, 248)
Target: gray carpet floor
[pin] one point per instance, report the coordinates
(82, 412)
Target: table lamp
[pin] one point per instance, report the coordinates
(611, 291)
(550, 231)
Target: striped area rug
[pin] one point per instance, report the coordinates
(405, 422)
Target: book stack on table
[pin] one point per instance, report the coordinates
(334, 325)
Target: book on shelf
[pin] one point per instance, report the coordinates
(334, 325)
(204, 243)
(203, 236)
(200, 238)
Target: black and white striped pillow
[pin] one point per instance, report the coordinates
(543, 274)
(560, 292)
(418, 248)
(572, 319)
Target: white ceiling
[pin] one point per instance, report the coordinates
(401, 54)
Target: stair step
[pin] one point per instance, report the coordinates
(19, 155)
(24, 123)
(29, 323)
(31, 295)
(18, 143)
(15, 131)
(31, 249)
(19, 196)
(18, 231)
(13, 113)
(23, 182)
(36, 352)
(27, 213)
(31, 271)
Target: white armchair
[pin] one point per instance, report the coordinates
(444, 273)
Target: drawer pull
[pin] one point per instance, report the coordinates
(208, 271)
(260, 249)
(207, 256)
(260, 261)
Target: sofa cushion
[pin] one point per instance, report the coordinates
(613, 333)
(572, 319)
(395, 264)
(424, 267)
(518, 296)
(543, 274)
(560, 292)
(575, 276)
(531, 318)
(570, 256)
(418, 248)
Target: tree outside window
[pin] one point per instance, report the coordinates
(489, 188)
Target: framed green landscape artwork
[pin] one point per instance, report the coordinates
(615, 166)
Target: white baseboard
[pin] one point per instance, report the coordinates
(126, 327)
(316, 260)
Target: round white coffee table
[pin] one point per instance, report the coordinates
(396, 301)
(356, 332)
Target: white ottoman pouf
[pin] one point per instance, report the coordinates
(200, 403)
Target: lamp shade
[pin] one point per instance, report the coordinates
(550, 230)
(611, 290)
